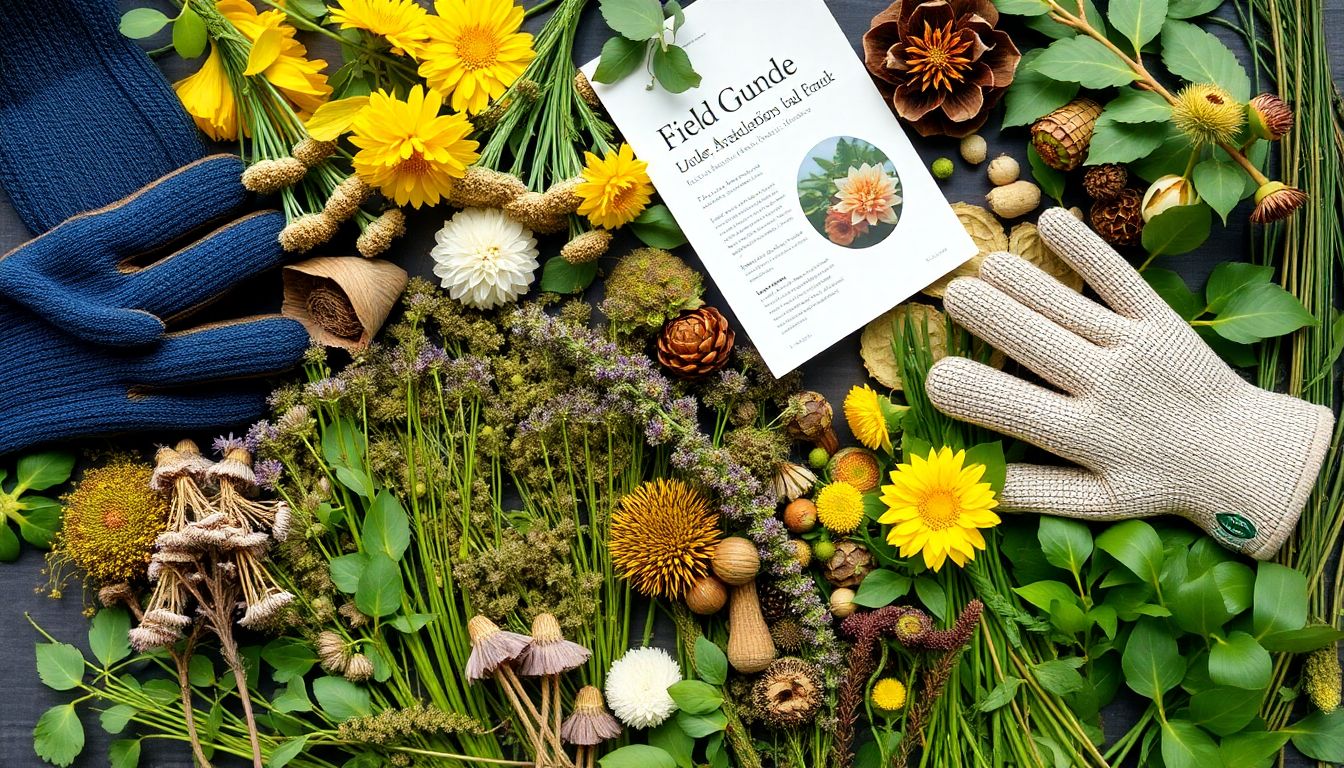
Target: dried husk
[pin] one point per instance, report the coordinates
(987, 234)
(342, 301)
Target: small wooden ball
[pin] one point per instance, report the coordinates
(736, 561)
(706, 596)
(800, 516)
(842, 603)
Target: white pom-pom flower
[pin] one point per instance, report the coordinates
(637, 687)
(484, 258)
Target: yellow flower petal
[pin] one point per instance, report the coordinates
(334, 118)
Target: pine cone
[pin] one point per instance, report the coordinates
(1105, 181)
(1061, 138)
(1119, 221)
(695, 343)
(775, 605)
(850, 563)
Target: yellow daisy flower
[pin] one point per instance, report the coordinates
(300, 80)
(403, 23)
(888, 695)
(209, 100)
(863, 411)
(840, 507)
(408, 150)
(937, 506)
(475, 51)
(615, 189)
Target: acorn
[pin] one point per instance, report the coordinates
(1062, 137)
(1119, 221)
(800, 516)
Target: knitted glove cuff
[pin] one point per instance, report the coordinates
(1280, 526)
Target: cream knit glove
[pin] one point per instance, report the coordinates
(1155, 422)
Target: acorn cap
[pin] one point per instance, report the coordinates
(342, 301)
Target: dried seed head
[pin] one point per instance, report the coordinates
(585, 90)
(587, 247)
(310, 152)
(267, 177)
(1207, 114)
(1269, 117)
(562, 199)
(1276, 200)
(346, 198)
(352, 616)
(331, 651)
(485, 188)
(307, 232)
(377, 237)
(358, 668)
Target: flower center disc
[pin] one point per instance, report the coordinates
(939, 510)
(478, 48)
(936, 57)
(415, 164)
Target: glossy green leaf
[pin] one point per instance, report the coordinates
(700, 726)
(1188, 9)
(1304, 640)
(108, 635)
(1114, 142)
(286, 752)
(1280, 599)
(931, 594)
(114, 718)
(634, 19)
(60, 665)
(1177, 230)
(1320, 736)
(1136, 106)
(189, 36)
(711, 664)
(1200, 57)
(1184, 745)
(656, 228)
(1054, 30)
(387, 529)
(1050, 180)
(1224, 710)
(1043, 594)
(1033, 94)
(139, 23)
(1254, 749)
(695, 697)
(1171, 156)
(1197, 605)
(882, 587)
(637, 756)
(1065, 543)
(1236, 582)
(559, 276)
(1151, 661)
(1084, 61)
(58, 736)
(380, 587)
(1022, 7)
(673, 70)
(1135, 544)
(9, 543)
(346, 570)
(341, 699)
(1231, 276)
(1260, 312)
(1220, 185)
(1173, 290)
(1059, 676)
(41, 518)
(620, 57)
(41, 471)
(671, 739)
(1139, 21)
(1239, 662)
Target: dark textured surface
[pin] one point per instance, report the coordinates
(22, 696)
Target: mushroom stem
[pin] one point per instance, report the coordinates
(544, 720)
(518, 709)
(511, 678)
(556, 708)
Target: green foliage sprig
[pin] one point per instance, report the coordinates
(643, 39)
(36, 517)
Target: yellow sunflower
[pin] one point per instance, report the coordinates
(475, 51)
(937, 506)
(840, 507)
(207, 97)
(863, 411)
(403, 23)
(615, 189)
(410, 151)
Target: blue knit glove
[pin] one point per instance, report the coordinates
(85, 276)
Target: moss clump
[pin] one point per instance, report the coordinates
(648, 287)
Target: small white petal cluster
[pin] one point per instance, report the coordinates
(637, 687)
(484, 258)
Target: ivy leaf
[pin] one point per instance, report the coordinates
(139, 23)
(108, 636)
(340, 698)
(1220, 184)
(41, 471)
(1260, 312)
(1138, 20)
(58, 736)
(882, 587)
(1177, 230)
(1184, 745)
(1188, 9)
(1114, 142)
(1084, 61)
(60, 665)
(1135, 106)
(656, 228)
(1231, 276)
(620, 57)
(189, 34)
(559, 276)
(672, 67)
(634, 19)
(1033, 94)
(1198, 56)
(1173, 290)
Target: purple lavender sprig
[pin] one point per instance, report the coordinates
(744, 499)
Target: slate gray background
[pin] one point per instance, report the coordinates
(22, 696)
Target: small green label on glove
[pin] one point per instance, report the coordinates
(1236, 526)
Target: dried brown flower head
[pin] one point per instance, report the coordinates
(663, 536)
(1275, 201)
(1269, 116)
(788, 693)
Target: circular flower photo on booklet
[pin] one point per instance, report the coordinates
(850, 192)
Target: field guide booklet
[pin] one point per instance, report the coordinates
(789, 175)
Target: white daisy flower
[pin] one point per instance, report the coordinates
(484, 258)
(637, 687)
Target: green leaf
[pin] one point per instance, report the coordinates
(1236, 582)
(700, 726)
(637, 756)
(933, 597)
(695, 697)
(1223, 710)
(672, 67)
(620, 57)
(60, 665)
(340, 698)
(1235, 355)
(1151, 661)
(1114, 142)
(380, 588)
(286, 752)
(1171, 156)
(1060, 676)
(1320, 736)
(1239, 662)
(1198, 606)
(139, 23)
(882, 587)
(124, 753)
(108, 635)
(1220, 185)
(634, 19)
(412, 623)
(1259, 312)
(200, 671)
(656, 228)
(1174, 291)
(1135, 106)
(671, 739)
(1084, 61)
(1304, 640)
(1280, 601)
(41, 519)
(1186, 9)
(289, 658)
(710, 662)
(1231, 276)
(1177, 230)
(114, 718)
(293, 698)
(1065, 543)
(356, 480)
(58, 737)
(1050, 180)
(1044, 594)
(1256, 749)
(1033, 94)
(559, 276)
(1002, 695)
(991, 456)
(673, 10)
(9, 543)
(1138, 20)
(41, 471)
(343, 443)
(1136, 545)
(1021, 7)
(1198, 56)
(346, 570)
(387, 529)
(1184, 745)
(189, 36)
(1054, 30)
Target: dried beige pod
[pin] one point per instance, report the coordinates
(267, 177)
(1014, 200)
(587, 247)
(706, 596)
(310, 152)
(378, 234)
(842, 602)
(974, 149)
(342, 301)
(1025, 241)
(1003, 170)
(987, 234)
(1077, 213)
(585, 90)
(307, 232)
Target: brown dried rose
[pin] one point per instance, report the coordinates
(941, 62)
